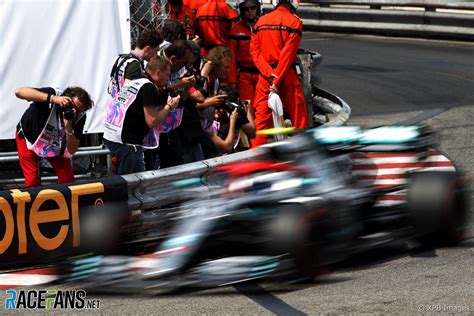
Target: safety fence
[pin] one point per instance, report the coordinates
(146, 14)
(419, 18)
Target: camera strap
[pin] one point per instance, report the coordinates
(116, 72)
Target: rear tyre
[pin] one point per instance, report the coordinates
(438, 205)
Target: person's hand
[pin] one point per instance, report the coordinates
(216, 100)
(234, 116)
(173, 102)
(273, 86)
(247, 105)
(62, 101)
(187, 82)
(68, 125)
(196, 39)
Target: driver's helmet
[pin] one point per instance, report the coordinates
(240, 4)
(293, 3)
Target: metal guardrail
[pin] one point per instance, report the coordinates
(6, 157)
(151, 189)
(420, 18)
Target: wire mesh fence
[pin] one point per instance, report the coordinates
(146, 14)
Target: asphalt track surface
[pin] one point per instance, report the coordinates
(386, 81)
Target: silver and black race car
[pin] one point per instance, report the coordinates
(314, 199)
(305, 202)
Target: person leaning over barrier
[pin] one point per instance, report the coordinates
(50, 128)
(132, 115)
(169, 152)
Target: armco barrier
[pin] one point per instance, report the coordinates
(154, 188)
(419, 18)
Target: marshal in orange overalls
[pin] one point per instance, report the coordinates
(273, 48)
(194, 4)
(214, 20)
(247, 77)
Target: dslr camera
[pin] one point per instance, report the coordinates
(68, 111)
(172, 93)
(229, 107)
(200, 80)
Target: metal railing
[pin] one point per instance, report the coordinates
(421, 18)
(153, 189)
(94, 151)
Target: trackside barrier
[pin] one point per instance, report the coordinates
(81, 152)
(154, 188)
(419, 18)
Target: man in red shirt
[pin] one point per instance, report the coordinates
(214, 19)
(239, 41)
(273, 48)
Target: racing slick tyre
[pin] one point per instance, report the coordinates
(294, 231)
(437, 206)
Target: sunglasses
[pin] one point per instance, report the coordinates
(249, 8)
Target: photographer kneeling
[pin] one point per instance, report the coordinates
(50, 128)
(215, 70)
(230, 119)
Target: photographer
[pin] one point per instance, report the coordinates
(191, 135)
(215, 70)
(134, 114)
(169, 152)
(230, 120)
(50, 128)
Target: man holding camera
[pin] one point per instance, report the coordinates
(50, 128)
(131, 117)
(169, 152)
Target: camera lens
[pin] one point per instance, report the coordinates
(68, 114)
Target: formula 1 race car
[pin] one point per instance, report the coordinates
(316, 199)
(311, 200)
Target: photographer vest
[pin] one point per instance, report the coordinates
(117, 110)
(117, 74)
(51, 142)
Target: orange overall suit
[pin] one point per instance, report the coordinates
(194, 4)
(273, 48)
(214, 20)
(239, 42)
